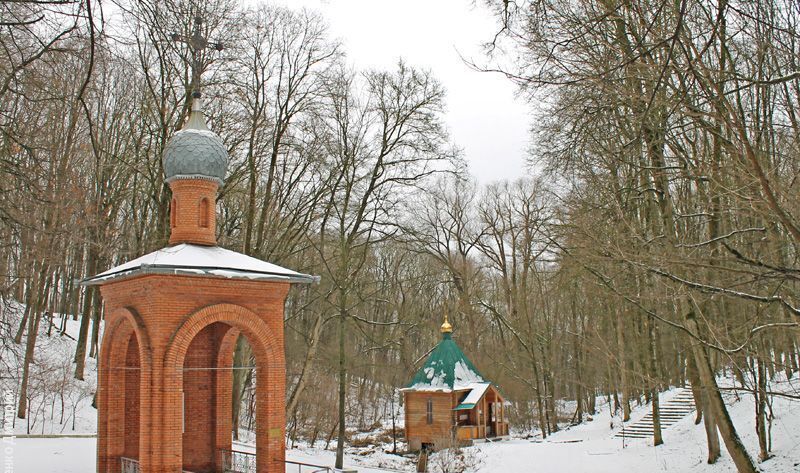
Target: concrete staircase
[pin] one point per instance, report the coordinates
(681, 405)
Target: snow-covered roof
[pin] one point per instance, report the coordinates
(213, 261)
(447, 369)
(476, 393)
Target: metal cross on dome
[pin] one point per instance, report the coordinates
(196, 43)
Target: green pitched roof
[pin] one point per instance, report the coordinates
(446, 368)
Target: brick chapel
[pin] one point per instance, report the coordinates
(172, 318)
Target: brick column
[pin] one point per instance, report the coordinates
(112, 396)
(102, 408)
(271, 415)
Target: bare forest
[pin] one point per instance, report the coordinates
(652, 242)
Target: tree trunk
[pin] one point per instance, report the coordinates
(30, 345)
(742, 460)
(697, 393)
(83, 333)
(88, 300)
(654, 388)
(96, 314)
(25, 316)
(294, 398)
(539, 398)
(761, 410)
(342, 382)
(712, 438)
(623, 370)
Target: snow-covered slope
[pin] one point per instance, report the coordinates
(57, 402)
(591, 447)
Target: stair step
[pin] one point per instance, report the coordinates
(670, 413)
(663, 421)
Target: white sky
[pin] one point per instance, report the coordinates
(482, 114)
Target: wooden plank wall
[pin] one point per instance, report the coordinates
(417, 427)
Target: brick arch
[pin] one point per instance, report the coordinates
(126, 327)
(270, 385)
(116, 332)
(258, 333)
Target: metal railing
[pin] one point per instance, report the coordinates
(309, 466)
(129, 465)
(233, 461)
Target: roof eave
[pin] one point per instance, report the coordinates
(465, 407)
(200, 271)
(425, 390)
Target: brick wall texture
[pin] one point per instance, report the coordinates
(192, 213)
(154, 404)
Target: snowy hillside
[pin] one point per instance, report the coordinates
(591, 447)
(57, 402)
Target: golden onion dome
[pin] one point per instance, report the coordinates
(446, 327)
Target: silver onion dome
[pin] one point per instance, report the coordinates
(195, 152)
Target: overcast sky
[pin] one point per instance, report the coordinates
(482, 114)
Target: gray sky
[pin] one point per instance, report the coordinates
(482, 114)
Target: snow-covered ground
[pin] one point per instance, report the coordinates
(589, 447)
(77, 455)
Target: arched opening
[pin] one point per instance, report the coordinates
(132, 404)
(203, 212)
(120, 395)
(206, 379)
(201, 355)
(173, 212)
